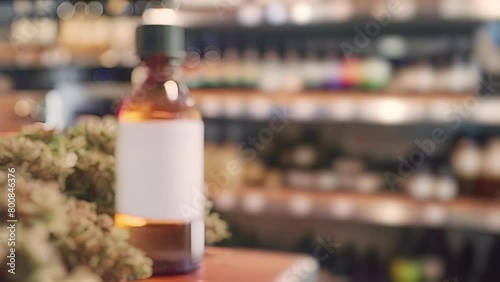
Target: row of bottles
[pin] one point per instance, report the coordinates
(312, 159)
(296, 159)
(278, 12)
(419, 256)
(69, 9)
(270, 71)
(477, 166)
(274, 12)
(52, 33)
(426, 184)
(323, 65)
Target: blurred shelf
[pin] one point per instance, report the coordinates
(197, 23)
(339, 16)
(385, 209)
(377, 108)
(382, 108)
(39, 77)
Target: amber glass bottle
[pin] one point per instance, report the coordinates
(160, 158)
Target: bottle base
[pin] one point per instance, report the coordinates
(172, 268)
(174, 247)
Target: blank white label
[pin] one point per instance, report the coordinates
(160, 169)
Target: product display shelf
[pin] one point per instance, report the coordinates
(385, 209)
(248, 265)
(380, 108)
(377, 108)
(202, 21)
(201, 17)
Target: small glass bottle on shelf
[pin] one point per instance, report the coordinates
(490, 169)
(250, 66)
(160, 158)
(466, 163)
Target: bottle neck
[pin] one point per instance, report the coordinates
(162, 95)
(161, 69)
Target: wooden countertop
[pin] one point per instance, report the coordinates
(249, 265)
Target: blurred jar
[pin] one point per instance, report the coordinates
(230, 68)
(271, 80)
(445, 186)
(348, 170)
(312, 72)
(352, 72)
(250, 68)
(377, 73)
(191, 68)
(421, 184)
(291, 76)
(466, 163)
(210, 71)
(490, 169)
(369, 182)
(220, 163)
(332, 68)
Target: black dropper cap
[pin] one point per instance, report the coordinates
(166, 40)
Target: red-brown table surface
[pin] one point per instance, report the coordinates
(248, 265)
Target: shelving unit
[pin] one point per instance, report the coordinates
(425, 14)
(38, 77)
(85, 59)
(196, 21)
(383, 108)
(385, 209)
(377, 108)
